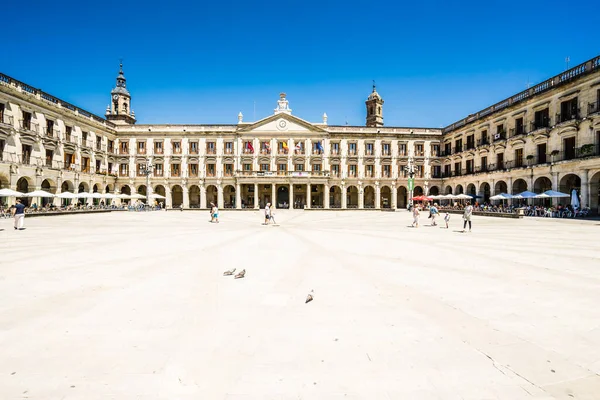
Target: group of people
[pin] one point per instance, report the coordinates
(269, 214)
(434, 212)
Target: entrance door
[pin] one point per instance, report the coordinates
(283, 197)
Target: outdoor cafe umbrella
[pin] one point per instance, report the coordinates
(137, 196)
(38, 193)
(464, 196)
(157, 196)
(67, 195)
(554, 193)
(421, 198)
(10, 193)
(96, 195)
(527, 195)
(501, 196)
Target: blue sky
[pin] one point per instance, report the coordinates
(203, 62)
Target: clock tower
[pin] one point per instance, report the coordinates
(119, 111)
(374, 109)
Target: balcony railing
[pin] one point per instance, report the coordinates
(29, 126)
(158, 151)
(500, 136)
(49, 132)
(178, 151)
(517, 132)
(210, 151)
(560, 118)
(541, 124)
(158, 174)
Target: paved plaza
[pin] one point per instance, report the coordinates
(135, 306)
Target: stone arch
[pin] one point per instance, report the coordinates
(126, 189)
(459, 189)
(402, 198)
(160, 189)
(519, 186)
(96, 188)
(385, 197)
(594, 193)
(567, 184)
(83, 187)
(418, 191)
(67, 186)
(4, 181)
(369, 197)
(141, 190)
(194, 196)
(352, 197)
(471, 189)
(542, 184)
(109, 188)
(335, 197)
(500, 187)
(211, 195)
(485, 191)
(176, 196)
(434, 191)
(24, 185)
(229, 196)
(448, 190)
(48, 185)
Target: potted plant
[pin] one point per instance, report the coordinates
(586, 149)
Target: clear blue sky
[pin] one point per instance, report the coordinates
(203, 62)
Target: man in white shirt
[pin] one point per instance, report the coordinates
(267, 213)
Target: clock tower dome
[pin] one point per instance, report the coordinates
(119, 111)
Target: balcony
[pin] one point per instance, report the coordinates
(124, 151)
(369, 153)
(158, 151)
(6, 120)
(86, 169)
(228, 151)
(177, 150)
(29, 126)
(49, 132)
(335, 152)
(141, 152)
(500, 136)
(419, 153)
(158, 174)
(593, 107)
(282, 152)
(566, 117)
(483, 142)
(516, 132)
(265, 152)
(123, 174)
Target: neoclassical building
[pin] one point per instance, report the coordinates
(547, 137)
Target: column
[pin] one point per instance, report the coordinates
(256, 205)
(202, 196)
(377, 196)
(238, 197)
(585, 192)
(291, 196)
(274, 195)
(326, 196)
(186, 197)
(344, 197)
(308, 195)
(509, 188)
(169, 200)
(361, 199)
(394, 197)
(555, 181)
(220, 204)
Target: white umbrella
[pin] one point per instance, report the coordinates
(38, 193)
(137, 196)
(110, 196)
(158, 196)
(96, 195)
(123, 196)
(501, 196)
(527, 195)
(84, 195)
(464, 196)
(554, 193)
(574, 199)
(542, 196)
(10, 193)
(67, 195)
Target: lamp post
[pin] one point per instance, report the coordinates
(147, 170)
(410, 170)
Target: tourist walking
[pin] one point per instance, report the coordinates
(214, 213)
(267, 213)
(19, 215)
(416, 214)
(272, 215)
(467, 216)
(433, 211)
(447, 219)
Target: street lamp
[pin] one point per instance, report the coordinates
(147, 170)
(410, 170)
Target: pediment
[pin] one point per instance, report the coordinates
(280, 124)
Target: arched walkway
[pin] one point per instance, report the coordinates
(335, 197)
(126, 190)
(67, 186)
(141, 190)
(194, 196)
(519, 185)
(595, 193)
(418, 191)
(283, 196)
(567, 184)
(176, 196)
(448, 190)
(385, 195)
(402, 200)
(459, 189)
(48, 185)
(229, 196)
(369, 197)
(211, 195)
(434, 191)
(485, 191)
(352, 197)
(542, 184)
(96, 188)
(160, 189)
(500, 187)
(471, 189)
(25, 185)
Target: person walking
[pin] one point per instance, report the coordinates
(272, 215)
(214, 213)
(467, 216)
(267, 213)
(416, 214)
(434, 213)
(19, 215)
(447, 219)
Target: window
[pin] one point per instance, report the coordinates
(299, 149)
(568, 110)
(387, 171)
(98, 166)
(541, 153)
(124, 147)
(458, 146)
(569, 148)
(369, 171)
(248, 148)
(385, 149)
(158, 147)
(316, 167)
(98, 142)
(402, 170)
(447, 148)
(84, 138)
(299, 167)
(49, 127)
(457, 169)
(85, 164)
(436, 171)
(470, 168)
(499, 132)
(419, 152)
(447, 170)
(470, 142)
(264, 167)
(518, 158)
(369, 149)
(49, 156)
(484, 164)
(68, 131)
(484, 137)
(281, 168)
(247, 167)
(193, 170)
(176, 147)
(110, 168)
(111, 146)
(141, 147)
(2, 121)
(70, 159)
(228, 169)
(265, 148)
(141, 168)
(419, 171)
(175, 170)
(228, 147)
(193, 147)
(541, 119)
(435, 150)
(26, 120)
(210, 170)
(352, 170)
(124, 169)
(281, 149)
(335, 170)
(352, 149)
(335, 149)
(519, 126)
(402, 149)
(500, 161)
(158, 170)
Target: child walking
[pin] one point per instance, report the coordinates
(447, 219)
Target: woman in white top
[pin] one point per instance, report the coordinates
(267, 213)
(416, 214)
(467, 216)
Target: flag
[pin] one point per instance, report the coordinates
(285, 146)
(298, 146)
(249, 147)
(320, 147)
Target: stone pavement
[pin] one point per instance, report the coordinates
(135, 306)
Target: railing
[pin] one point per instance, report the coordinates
(7, 80)
(158, 151)
(7, 120)
(27, 125)
(499, 136)
(516, 132)
(124, 151)
(158, 174)
(178, 151)
(49, 132)
(483, 142)
(560, 118)
(208, 151)
(558, 80)
(543, 124)
(419, 154)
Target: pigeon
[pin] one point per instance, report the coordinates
(240, 274)
(309, 298)
(230, 272)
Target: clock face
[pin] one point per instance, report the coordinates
(282, 124)
(115, 97)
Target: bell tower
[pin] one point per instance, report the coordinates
(119, 111)
(374, 109)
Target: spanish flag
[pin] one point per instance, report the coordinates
(285, 146)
